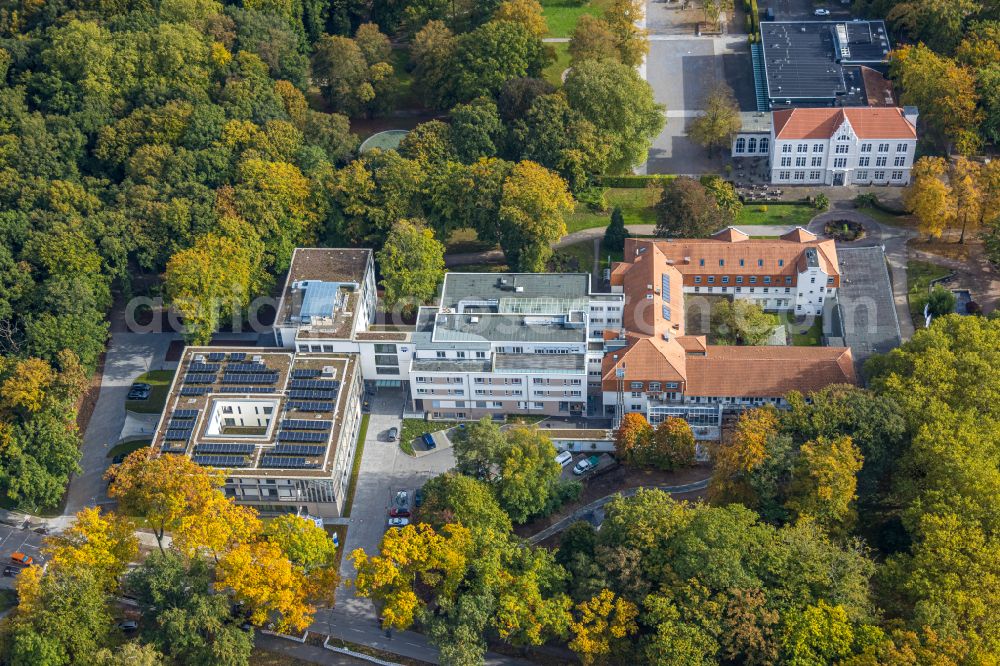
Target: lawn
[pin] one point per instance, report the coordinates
(637, 204)
(126, 448)
(919, 275)
(413, 428)
(813, 337)
(562, 15)
(797, 215)
(356, 467)
(575, 258)
(553, 73)
(160, 381)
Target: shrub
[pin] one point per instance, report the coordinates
(594, 198)
(821, 202)
(762, 209)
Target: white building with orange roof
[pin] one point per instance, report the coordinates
(655, 367)
(843, 146)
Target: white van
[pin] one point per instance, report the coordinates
(564, 458)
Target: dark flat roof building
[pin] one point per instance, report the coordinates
(820, 63)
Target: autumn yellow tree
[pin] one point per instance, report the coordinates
(600, 621)
(622, 18)
(964, 179)
(526, 12)
(944, 91)
(215, 523)
(271, 587)
(631, 432)
(164, 490)
(414, 557)
(26, 387)
(103, 543)
(532, 206)
(928, 197)
(825, 480)
(745, 450)
(310, 548)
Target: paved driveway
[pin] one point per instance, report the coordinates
(129, 355)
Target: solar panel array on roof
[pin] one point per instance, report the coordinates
(184, 413)
(299, 450)
(247, 367)
(199, 378)
(305, 424)
(237, 356)
(194, 390)
(301, 436)
(225, 447)
(217, 356)
(307, 394)
(310, 406)
(246, 378)
(246, 389)
(306, 373)
(173, 447)
(178, 435)
(322, 384)
(221, 461)
(287, 462)
(204, 367)
(180, 424)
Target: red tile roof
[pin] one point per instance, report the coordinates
(867, 122)
(767, 371)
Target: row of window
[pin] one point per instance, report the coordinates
(841, 149)
(722, 262)
(461, 354)
(751, 146)
(739, 279)
(653, 386)
(862, 176)
(739, 290)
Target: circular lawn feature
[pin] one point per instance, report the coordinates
(844, 230)
(387, 140)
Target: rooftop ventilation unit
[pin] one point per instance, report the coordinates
(329, 371)
(199, 358)
(473, 320)
(257, 358)
(519, 290)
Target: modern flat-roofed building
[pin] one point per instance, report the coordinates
(865, 146)
(328, 305)
(820, 63)
(510, 343)
(283, 426)
(656, 368)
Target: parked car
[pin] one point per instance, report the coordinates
(564, 458)
(139, 391)
(769, 14)
(428, 440)
(418, 497)
(396, 512)
(821, 12)
(10, 571)
(128, 626)
(393, 434)
(399, 522)
(586, 465)
(403, 499)
(119, 459)
(22, 559)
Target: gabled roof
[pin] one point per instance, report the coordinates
(799, 235)
(731, 235)
(768, 371)
(867, 123)
(646, 359)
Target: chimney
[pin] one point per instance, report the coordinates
(911, 113)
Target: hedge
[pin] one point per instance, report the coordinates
(634, 182)
(782, 202)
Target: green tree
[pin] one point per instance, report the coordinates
(741, 322)
(592, 39)
(616, 233)
(429, 143)
(531, 215)
(476, 129)
(433, 52)
(491, 55)
(620, 104)
(527, 474)
(715, 127)
(457, 498)
(687, 209)
(940, 301)
(725, 195)
(479, 448)
(824, 482)
(412, 263)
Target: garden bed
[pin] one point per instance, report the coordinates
(844, 230)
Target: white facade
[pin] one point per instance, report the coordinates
(843, 158)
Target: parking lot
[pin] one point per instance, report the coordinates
(18, 540)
